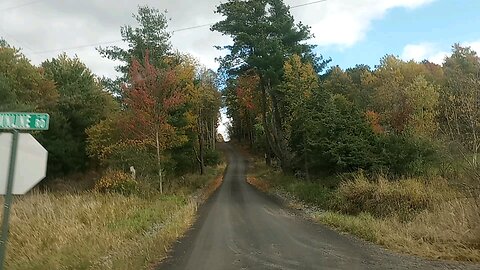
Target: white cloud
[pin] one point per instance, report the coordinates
(432, 52)
(438, 57)
(417, 52)
(51, 24)
(344, 23)
(475, 45)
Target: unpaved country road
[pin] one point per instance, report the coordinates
(240, 228)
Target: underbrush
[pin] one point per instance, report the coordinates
(449, 231)
(104, 230)
(403, 198)
(93, 230)
(425, 217)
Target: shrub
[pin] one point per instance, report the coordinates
(311, 193)
(407, 155)
(116, 181)
(404, 198)
(341, 139)
(212, 157)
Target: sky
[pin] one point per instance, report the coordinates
(349, 32)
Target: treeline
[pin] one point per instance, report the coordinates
(160, 116)
(398, 118)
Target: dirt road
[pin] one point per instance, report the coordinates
(241, 228)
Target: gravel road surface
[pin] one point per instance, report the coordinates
(241, 228)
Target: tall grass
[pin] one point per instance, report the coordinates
(420, 216)
(403, 198)
(91, 230)
(449, 231)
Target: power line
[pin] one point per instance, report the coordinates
(193, 27)
(79, 47)
(308, 4)
(114, 41)
(16, 40)
(22, 5)
(173, 31)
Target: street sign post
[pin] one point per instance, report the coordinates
(30, 150)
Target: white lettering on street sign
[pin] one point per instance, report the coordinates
(24, 121)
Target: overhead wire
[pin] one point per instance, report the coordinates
(21, 5)
(173, 31)
(4, 33)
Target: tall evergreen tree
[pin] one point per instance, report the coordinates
(265, 35)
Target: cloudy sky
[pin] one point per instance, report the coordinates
(348, 31)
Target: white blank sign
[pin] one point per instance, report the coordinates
(31, 163)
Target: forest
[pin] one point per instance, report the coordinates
(391, 152)
(130, 158)
(399, 117)
(160, 116)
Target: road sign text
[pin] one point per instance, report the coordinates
(24, 121)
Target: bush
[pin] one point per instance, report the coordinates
(341, 139)
(407, 155)
(404, 198)
(212, 158)
(116, 181)
(311, 193)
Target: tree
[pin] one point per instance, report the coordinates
(23, 87)
(423, 99)
(300, 82)
(206, 101)
(460, 102)
(151, 35)
(81, 104)
(403, 97)
(338, 81)
(265, 35)
(150, 96)
(342, 140)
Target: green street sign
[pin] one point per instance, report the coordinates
(24, 121)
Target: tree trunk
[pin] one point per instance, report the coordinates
(270, 147)
(201, 146)
(305, 156)
(268, 156)
(214, 134)
(284, 154)
(159, 164)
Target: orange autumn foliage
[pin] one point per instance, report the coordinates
(374, 119)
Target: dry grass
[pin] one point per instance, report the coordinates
(98, 231)
(382, 198)
(93, 231)
(450, 231)
(258, 183)
(414, 216)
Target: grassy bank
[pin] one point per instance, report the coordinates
(424, 217)
(91, 230)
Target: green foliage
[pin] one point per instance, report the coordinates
(460, 104)
(151, 35)
(81, 104)
(404, 198)
(212, 157)
(407, 155)
(311, 193)
(116, 181)
(23, 85)
(265, 36)
(342, 140)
